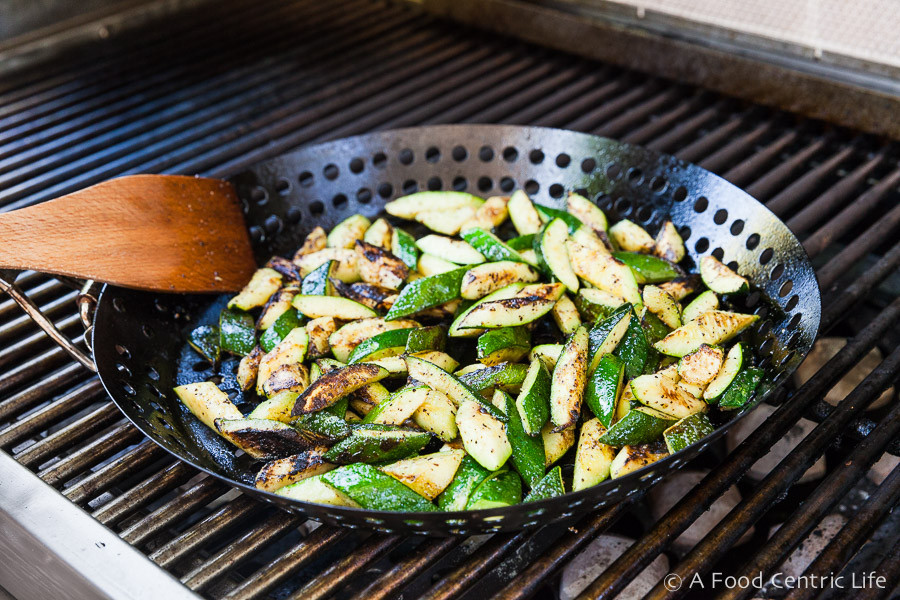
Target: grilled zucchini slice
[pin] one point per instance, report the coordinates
(372, 443)
(427, 292)
(280, 329)
(455, 251)
(547, 354)
(374, 490)
(732, 365)
(489, 245)
(565, 314)
(631, 237)
(568, 380)
(530, 303)
(705, 302)
(508, 344)
(720, 279)
(314, 242)
(639, 425)
(381, 234)
(346, 269)
(287, 358)
(237, 333)
(533, 402)
(437, 414)
(262, 438)
(660, 303)
(687, 431)
(205, 340)
(556, 443)
(347, 232)
(527, 451)
(605, 337)
(548, 487)
(334, 385)
(490, 214)
(468, 477)
(331, 306)
(522, 213)
(604, 272)
(399, 406)
(427, 475)
(484, 279)
(713, 328)
(404, 247)
(483, 435)
(648, 268)
(662, 394)
(592, 457)
(407, 207)
(594, 304)
(631, 458)
(553, 255)
(278, 473)
(701, 366)
(258, 290)
(669, 244)
(604, 387)
(378, 266)
(319, 281)
(207, 402)
(503, 488)
(587, 212)
(317, 491)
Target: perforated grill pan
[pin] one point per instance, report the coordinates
(139, 338)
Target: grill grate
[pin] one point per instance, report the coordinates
(231, 83)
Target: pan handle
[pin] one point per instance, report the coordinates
(87, 302)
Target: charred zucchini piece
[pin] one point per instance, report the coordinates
(205, 340)
(503, 375)
(319, 281)
(423, 339)
(631, 237)
(399, 406)
(687, 431)
(720, 279)
(320, 331)
(741, 389)
(606, 335)
(437, 414)
(552, 254)
(507, 292)
(732, 365)
(345, 340)
(681, 287)
(346, 269)
(258, 290)
(705, 302)
(548, 487)
(372, 443)
(381, 234)
(702, 365)
(237, 333)
(386, 343)
(533, 402)
(661, 393)
(565, 314)
(317, 491)
(483, 279)
(529, 304)
(429, 264)
(648, 268)
(527, 451)
(407, 207)
(660, 303)
(547, 354)
(507, 344)
(456, 251)
(633, 350)
(374, 296)
(378, 266)
(587, 212)
(713, 328)
(276, 408)
(427, 475)
(323, 427)
(640, 425)
(468, 477)
(289, 271)
(603, 388)
(334, 385)
(631, 458)
(669, 244)
(331, 306)
(556, 443)
(262, 438)
(489, 245)
(522, 213)
(604, 272)
(483, 435)
(248, 369)
(347, 232)
(404, 247)
(437, 378)
(374, 490)
(283, 325)
(290, 353)
(568, 381)
(500, 489)
(367, 397)
(592, 457)
(207, 402)
(427, 292)
(314, 242)
(489, 215)
(284, 471)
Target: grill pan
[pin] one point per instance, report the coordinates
(139, 339)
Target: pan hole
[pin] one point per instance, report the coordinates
(733, 265)
(680, 194)
(588, 165)
(644, 214)
(623, 206)
(635, 176)
(702, 245)
(293, 215)
(794, 339)
(123, 370)
(119, 305)
(753, 241)
(563, 160)
(406, 157)
(385, 190)
(720, 217)
(793, 302)
(604, 201)
(364, 195)
(766, 346)
(201, 366)
(486, 154)
(737, 227)
(787, 358)
(786, 288)
(583, 192)
(658, 184)
(331, 172)
(432, 155)
(507, 184)
(316, 208)
(532, 187)
(510, 154)
(305, 179)
(434, 184)
(459, 154)
(283, 186)
(762, 312)
(259, 195)
(685, 233)
(357, 165)
(485, 183)
(410, 186)
(272, 224)
(556, 190)
(777, 272)
(765, 328)
(128, 389)
(122, 350)
(152, 373)
(379, 160)
(460, 184)
(718, 253)
(614, 171)
(147, 331)
(536, 157)
(766, 256)
(701, 204)
(256, 234)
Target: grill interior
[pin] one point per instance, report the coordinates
(228, 84)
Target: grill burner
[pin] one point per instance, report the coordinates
(227, 85)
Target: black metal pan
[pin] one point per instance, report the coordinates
(139, 338)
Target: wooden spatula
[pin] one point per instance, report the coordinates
(150, 232)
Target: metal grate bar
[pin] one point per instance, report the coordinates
(39, 392)
(71, 434)
(719, 160)
(28, 345)
(792, 195)
(867, 241)
(82, 396)
(109, 443)
(654, 128)
(764, 187)
(707, 143)
(890, 569)
(164, 481)
(109, 475)
(744, 172)
(392, 581)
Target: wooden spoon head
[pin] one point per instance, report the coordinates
(150, 232)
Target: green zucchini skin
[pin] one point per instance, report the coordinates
(377, 345)
(527, 451)
(468, 477)
(741, 389)
(503, 488)
(283, 325)
(603, 388)
(374, 490)
(436, 378)
(633, 350)
(654, 328)
(237, 332)
(533, 402)
(639, 426)
(602, 337)
(507, 344)
(548, 487)
(377, 443)
(648, 268)
(492, 247)
(502, 375)
(523, 242)
(324, 425)
(433, 337)
(205, 340)
(548, 213)
(426, 293)
(404, 247)
(318, 282)
(687, 431)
